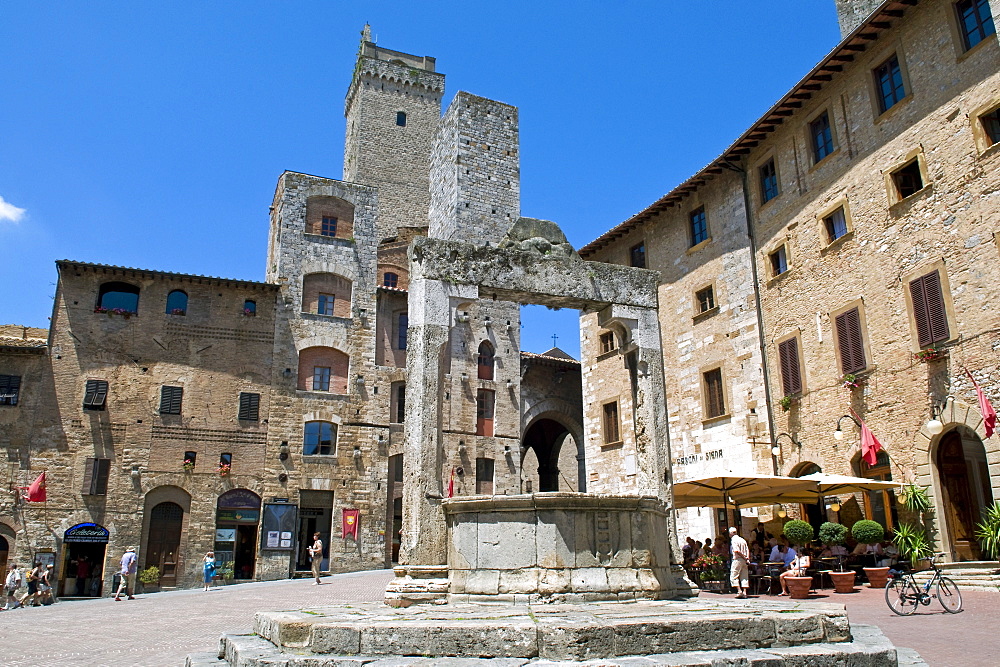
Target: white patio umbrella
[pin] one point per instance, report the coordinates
(744, 490)
(824, 484)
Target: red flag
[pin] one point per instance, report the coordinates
(451, 484)
(36, 492)
(351, 523)
(869, 443)
(989, 414)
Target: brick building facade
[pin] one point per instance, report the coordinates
(847, 230)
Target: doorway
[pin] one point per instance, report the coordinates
(236, 518)
(545, 438)
(315, 516)
(82, 572)
(812, 513)
(394, 508)
(965, 490)
(163, 545)
(4, 550)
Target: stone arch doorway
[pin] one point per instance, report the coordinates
(814, 513)
(237, 515)
(4, 551)
(166, 522)
(550, 449)
(964, 485)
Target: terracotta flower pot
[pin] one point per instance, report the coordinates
(843, 582)
(877, 576)
(799, 587)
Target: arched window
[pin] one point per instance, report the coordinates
(177, 302)
(326, 294)
(330, 217)
(249, 308)
(319, 439)
(323, 369)
(487, 359)
(118, 296)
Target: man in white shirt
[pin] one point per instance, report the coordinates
(739, 571)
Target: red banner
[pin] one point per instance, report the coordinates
(985, 407)
(351, 520)
(36, 492)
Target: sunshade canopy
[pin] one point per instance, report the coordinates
(724, 490)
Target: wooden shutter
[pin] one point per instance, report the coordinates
(714, 396)
(249, 406)
(88, 477)
(928, 309)
(96, 394)
(10, 385)
(791, 374)
(170, 400)
(850, 342)
(611, 428)
(95, 477)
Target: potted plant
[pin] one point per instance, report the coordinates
(224, 469)
(188, 465)
(833, 534)
(911, 542)
(867, 531)
(787, 402)
(850, 381)
(929, 354)
(150, 579)
(799, 533)
(713, 571)
(915, 498)
(988, 530)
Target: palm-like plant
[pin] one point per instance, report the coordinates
(988, 530)
(911, 541)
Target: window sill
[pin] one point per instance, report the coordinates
(833, 245)
(612, 445)
(320, 317)
(901, 206)
(705, 314)
(609, 354)
(333, 240)
(824, 161)
(891, 111)
(989, 151)
(698, 246)
(990, 39)
(764, 205)
(324, 395)
(319, 458)
(715, 420)
(774, 280)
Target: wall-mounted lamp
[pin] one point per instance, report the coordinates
(776, 446)
(462, 317)
(781, 512)
(363, 316)
(506, 450)
(465, 377)
(283, 451)
(839, 434)
(360, 381)
(357, 452)
(381, 438)
(287, 373)
(835, 506)
(934, 425)
(461, 447)
(487, 322)
(510, 384)
(136, 474)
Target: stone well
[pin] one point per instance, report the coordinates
(571, 547)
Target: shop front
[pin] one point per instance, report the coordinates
(82, 571)
(236, 518)
(315, 516)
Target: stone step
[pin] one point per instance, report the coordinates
(867, 648)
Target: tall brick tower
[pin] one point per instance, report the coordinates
(393, 109)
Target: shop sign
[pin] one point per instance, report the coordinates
(86, 533)
(238, 499)
(695, 458)
(311, 511)
(238, 516)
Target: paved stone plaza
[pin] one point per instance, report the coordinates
(162, 628)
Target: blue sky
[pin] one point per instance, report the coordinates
(152, 134)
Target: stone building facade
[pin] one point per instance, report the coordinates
(846, 236)
(181, 414)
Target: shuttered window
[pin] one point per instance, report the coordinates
(612, 429)
(249, 407)
(10, 388)
(715, 398)
(928, 309)
(95, 477)
(850, 343)
(170, 400)
(96, 395)
(791, 373)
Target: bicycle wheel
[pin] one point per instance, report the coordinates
(902, 596)
(949, 596)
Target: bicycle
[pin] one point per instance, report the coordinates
(904, 594)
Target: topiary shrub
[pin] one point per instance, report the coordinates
(831, 533)
(798, 532)
(868, 531)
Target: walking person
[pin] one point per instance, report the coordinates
(128, 568)
(739, 570)
(45, 586)
(209, 568)
(33, 597)
(316, 554)
(10, 586)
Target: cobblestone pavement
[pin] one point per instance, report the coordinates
(159, 629)
(162, 628)
(968, 639)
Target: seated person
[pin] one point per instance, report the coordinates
(797, 568)
(756, 552)
(838, 550)
(707, 549)
(783, 553)
(890, 555)
(721, 547)
(867, 549)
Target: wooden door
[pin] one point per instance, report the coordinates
(960, 509)
(165, 523)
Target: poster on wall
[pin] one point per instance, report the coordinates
(278, 525)
(225, 534)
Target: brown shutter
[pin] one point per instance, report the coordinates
(850, 342)
(918, 296)
(936, 316)
(713, 393)
(88, 478)
(791, 375)
(102, 469)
